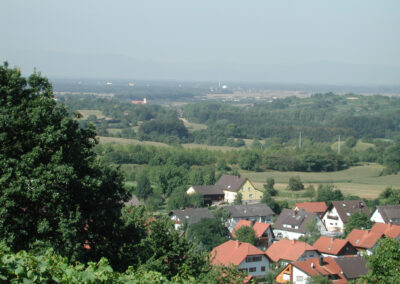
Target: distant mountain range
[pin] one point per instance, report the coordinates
(124, 67)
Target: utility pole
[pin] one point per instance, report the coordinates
(300, 140)
(338, 150)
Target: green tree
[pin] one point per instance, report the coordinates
(295, 184)
(358, 220)
(209, 232)
(351, 142)
(53, 188)
(384, 263)
(312, 232)
(143, 188)
(391, 157)
(327, 193)
(246, 234)
(389, 196)
(269, 187)
(238, 199)
(267, 199)
(177, 200)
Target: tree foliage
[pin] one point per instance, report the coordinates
(209, 232)
(295, 184)
(246, 234)
(53, 189)
(358, 220)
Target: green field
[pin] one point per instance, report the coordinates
(364, 181)
(193, 126)
(87, 112)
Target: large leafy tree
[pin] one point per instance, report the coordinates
(358, 220)
(53, 189)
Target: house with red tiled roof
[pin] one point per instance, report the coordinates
(337, 270)
(334, 247)
(243, 255)
(263, 232)
(291, 250)
(311, 207)
(367, 239)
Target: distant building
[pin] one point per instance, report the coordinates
(339, 212)
(232, 185)
(334, 247)
(211, 193)
(139, 102)
(261, 213)
(312, 207)
(285, 251)
(190, 216)
(262, 231)
(386, 214)
(243, 255)
(292, 224)
(134, 201)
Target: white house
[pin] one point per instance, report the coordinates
(339, 212)
(386, 214)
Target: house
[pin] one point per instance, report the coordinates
(285, 251)
(338, 270)
(140, 102)
(232, 185)
(311, 207)
(263, 232)
(386, 214)
(189, 215)
(339, 212)
(366, 240)
(292, 224)
(211, 193)
(261, 213)
(243, 255)
(334, 247)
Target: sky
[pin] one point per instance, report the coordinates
(308, 41)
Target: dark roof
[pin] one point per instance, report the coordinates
(291, 217)
(346, 208)
(134, 201)
(208, 189)
(389, 212)
(250, 210)
(352, 267)
(231, 183)
(192, 215)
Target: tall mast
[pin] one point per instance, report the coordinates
(339, 146)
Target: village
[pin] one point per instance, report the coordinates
(278, 237)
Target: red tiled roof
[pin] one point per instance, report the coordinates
(313, 266)
(389, 230)
(329, 245)
(233, 252)
(314, 207)
(363, 238)
(288, 250)
(259, 228)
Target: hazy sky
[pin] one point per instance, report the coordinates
(339, 41)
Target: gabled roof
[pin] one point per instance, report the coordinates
(353, 267)
(230, 183)
(330, 245)
(233, 252)
(325, 267)
(363, 238)
(389, 212)
(250, 210)
(294, 218)
(259, 228)
(192, 215)
(389, 230)
(314, 207)
(208, 189)
(346, 208)
(288, 250)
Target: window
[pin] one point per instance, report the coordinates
(252, 269)
(299, 278)
(262, 268)
(251, 195)
(248, 188)
(286, 277)
(243, 269)
(253, 258)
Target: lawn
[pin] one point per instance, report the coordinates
(364, 181)
(87, 112)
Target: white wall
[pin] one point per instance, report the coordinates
(229, 196)
(299, 277)
(287, 235)
(377, 217)
(264, 262)
(330, 224)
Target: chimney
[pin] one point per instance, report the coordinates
(294, 212)
(312, 265)
(321, 261)
(237, 244)
(294, 242)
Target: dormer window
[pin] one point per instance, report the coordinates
(348, 214)
(344, 205)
